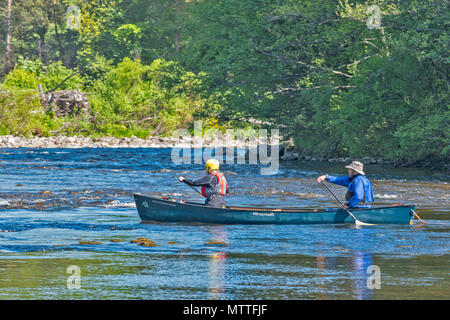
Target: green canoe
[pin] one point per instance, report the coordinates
(169, 210)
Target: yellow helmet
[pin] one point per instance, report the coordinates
(211, 165)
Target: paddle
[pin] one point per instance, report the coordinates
(193, 188)
(357, 222)
(417, 216)
(196, 190)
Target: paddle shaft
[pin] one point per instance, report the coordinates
(332, 193)
(348, 211)
(193, 188)
(196, 190)
(417, 216)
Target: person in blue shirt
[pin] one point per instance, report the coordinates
(359, 188)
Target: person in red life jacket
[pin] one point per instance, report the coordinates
(359, 188)
(214, 185)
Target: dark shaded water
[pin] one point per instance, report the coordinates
(53, 199)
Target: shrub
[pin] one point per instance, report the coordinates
(135, 98)
(21, 113)
(28, 74)
(53, 74)
(19, 78)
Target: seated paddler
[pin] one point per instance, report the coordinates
(359, 188)
(214, 184)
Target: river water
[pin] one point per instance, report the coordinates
(67, 219)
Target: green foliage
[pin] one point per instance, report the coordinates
(20, 113)
(28, 74)
(95, 33)
(399, 107)
(97, 69)
(127, 35)
(138, 99)
(335, 85)
(425, 139)
(30, 66)
(55, 73)
(21, 79)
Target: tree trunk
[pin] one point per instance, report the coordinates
(58, 38)
(8, 36)
(177, 41)
(177, 31)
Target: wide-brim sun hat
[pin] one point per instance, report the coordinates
(357, 166)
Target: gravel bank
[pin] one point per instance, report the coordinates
(111, 142)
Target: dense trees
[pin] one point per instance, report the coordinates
(343, 78)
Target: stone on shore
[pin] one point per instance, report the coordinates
(289, 155)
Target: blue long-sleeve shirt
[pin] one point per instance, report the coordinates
(359, 186)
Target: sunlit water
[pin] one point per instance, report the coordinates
(51, 200)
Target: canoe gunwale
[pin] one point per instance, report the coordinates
(237, 208)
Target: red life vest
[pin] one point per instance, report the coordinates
(222, 182)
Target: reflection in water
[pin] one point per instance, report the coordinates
(216, 275)
(361, 262)
(216, 266)
(322, 268)
(357, 265)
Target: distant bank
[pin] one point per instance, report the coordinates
(287, 151)
(9, 141)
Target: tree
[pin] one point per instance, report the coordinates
(336, 85)
(8, 36)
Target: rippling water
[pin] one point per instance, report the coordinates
(53, 200)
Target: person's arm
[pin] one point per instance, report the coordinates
(203, 181)
(341, 181)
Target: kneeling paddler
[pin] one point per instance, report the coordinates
(214, 184)
(360, 190)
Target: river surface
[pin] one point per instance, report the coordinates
(67, 219)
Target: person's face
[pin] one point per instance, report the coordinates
(351, 172)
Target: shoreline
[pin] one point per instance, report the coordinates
(286, 150)
(73, 142)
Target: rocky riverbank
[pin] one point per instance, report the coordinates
(293, 155)
(111, 142)
(286, 149)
